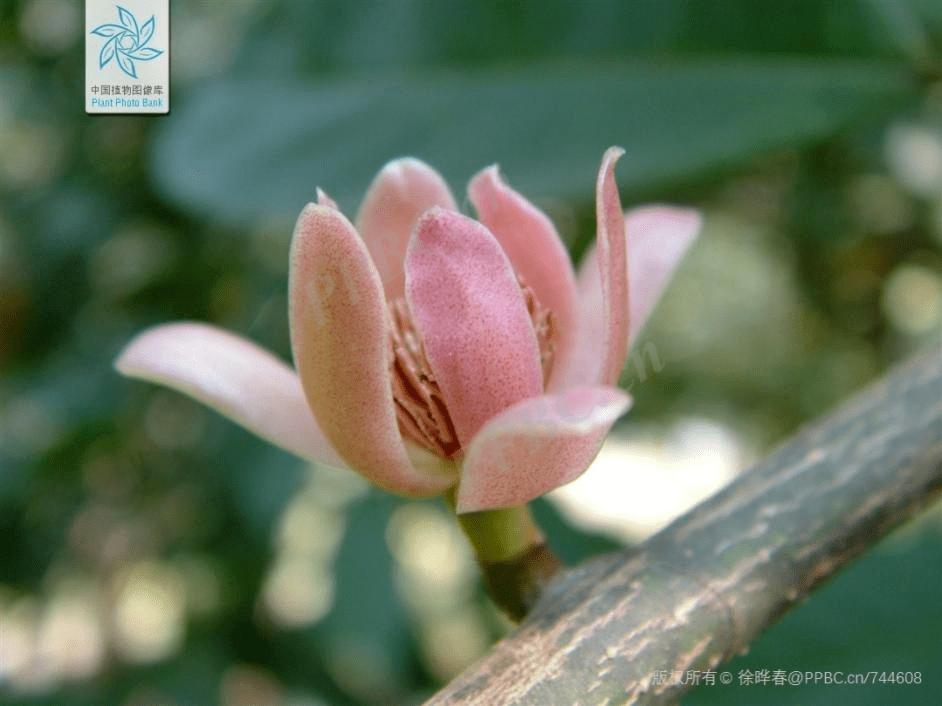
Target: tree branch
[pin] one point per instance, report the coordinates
(699, 591)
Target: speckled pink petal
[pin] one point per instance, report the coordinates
(585, 361)
(613, 269)
(658, 239)
(340, 339)
(402, 191)
(468, 306)
(536, 446)
(536, 252)
(235, 377)
(602, 339)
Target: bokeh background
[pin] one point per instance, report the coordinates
(153, 554)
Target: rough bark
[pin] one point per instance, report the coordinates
(702, 589)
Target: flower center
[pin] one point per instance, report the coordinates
(420, 408)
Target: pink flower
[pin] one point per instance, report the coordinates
(434, 350)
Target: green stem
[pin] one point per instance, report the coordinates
(515, 561)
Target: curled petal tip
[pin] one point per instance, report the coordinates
(491, 172)
(613, 154)
(324, 200)
(613, 269)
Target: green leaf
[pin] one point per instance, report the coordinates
(253, 149)
(349, 35)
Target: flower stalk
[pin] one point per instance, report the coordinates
(512, 552)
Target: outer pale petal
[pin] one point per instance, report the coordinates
(585, 362)
(340, 339)
(402, 191)
(537, 445)
(602, 340)
(613, 269)
(468, 307)
(233, 376)
(535, 250)
(658, 238)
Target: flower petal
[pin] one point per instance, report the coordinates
(537, 445)
(233, 376)
(613, 269)
(602, 338)
(402, 191)
(468, 306)
(658, 238)
(536, 251)
(324, 200)
(585, 361)
(340, 339)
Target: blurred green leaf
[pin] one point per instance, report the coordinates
(299, 36)
(250, 149)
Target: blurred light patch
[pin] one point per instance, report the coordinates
(6, 238)
(436, 575)
(71, 639)
(248, 685)
(761, 198)
(270, 243)
(148, 696)
(912, 300)
(636, 487)
(19, 626)
(206, 35)
(105, 473)
(108, 536)
(840, 368)
(174, 422)
(117, 141)
(727, 322)
(308, 528)
(362, 668)
(131, 260)
(45, 643)
(228, 297)
(334, 488)
(914, 153)
(33, 154)
(7, 98)
(149, 613)
(29, 427)
(434, 558)
(453, 641)
(50, 26)
(297, 591)
(879, 205)
(202, 577)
